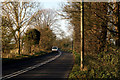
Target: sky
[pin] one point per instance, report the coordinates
(52, 5)
(56, 6)
(50, 0)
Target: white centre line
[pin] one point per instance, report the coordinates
(29, 68)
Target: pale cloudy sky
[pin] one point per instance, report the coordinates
(56, 6)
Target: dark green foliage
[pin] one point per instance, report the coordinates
(33, 36)
(65, 44)
(77, 58)
(104, 65)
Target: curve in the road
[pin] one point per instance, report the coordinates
(30, 68)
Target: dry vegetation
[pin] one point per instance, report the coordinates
(101, 26)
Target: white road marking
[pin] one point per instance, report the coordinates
(29, 68)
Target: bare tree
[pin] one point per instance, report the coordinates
(43, 18)
(20, 13)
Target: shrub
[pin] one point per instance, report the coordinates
(104, 65)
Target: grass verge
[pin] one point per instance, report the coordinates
(22, 57)
(101, 65)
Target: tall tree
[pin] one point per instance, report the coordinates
(43, 21)
(47, 38)
(7, 35)
(95, 25)
(43, 18)
(20, 13)
(32, 37)
(109, 14)
(72, 11)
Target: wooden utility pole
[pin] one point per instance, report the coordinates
(82, 35)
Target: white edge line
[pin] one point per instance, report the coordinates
(29, 68)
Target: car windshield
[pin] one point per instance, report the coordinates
(54, 47)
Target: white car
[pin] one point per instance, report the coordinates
(54, 49)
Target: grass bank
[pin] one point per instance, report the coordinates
(100, 65)
(23, 57)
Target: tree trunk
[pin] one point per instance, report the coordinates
(18, 41)
(72, 46)
(103, 36)
(104, 30)
(30, 49)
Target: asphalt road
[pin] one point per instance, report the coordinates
(56, 69)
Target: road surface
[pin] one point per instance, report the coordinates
(57, 68)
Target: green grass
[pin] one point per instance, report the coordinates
(103, 65)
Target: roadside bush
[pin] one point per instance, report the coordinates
(77, 58)
(104, 65)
